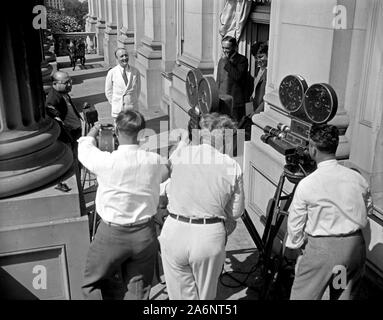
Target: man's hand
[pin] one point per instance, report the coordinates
(94, 131)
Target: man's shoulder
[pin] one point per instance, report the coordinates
(239, 57)
(53, 96)
(112, 70)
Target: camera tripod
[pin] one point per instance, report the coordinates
(269, 265)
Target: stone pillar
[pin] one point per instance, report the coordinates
(169, 49)
(30, 156)
(93, 15)
(149, 56)
(126, 32)
(42, 232)
(139, 23)
(366, 128)
(100, 27)
(110, 41)
(196, 35)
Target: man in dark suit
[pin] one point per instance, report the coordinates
(61, 108)
(231, 76)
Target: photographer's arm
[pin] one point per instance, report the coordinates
(90, 156)
(297, 220)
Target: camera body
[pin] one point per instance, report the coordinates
(107, 139)
(306, 106)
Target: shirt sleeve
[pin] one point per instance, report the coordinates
(92, 158)
(367, 197)
(109, 86)
(236, 205)
(297, 220)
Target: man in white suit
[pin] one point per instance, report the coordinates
(123, 85)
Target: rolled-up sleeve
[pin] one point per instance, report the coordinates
(297, 220)
(236, 205)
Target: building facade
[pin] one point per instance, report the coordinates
(336, 42)
(56, 4)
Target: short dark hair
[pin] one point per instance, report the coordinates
(259, 48)
(130, 122)
(230, 39)
(325, 137)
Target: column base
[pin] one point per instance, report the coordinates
(32, 159)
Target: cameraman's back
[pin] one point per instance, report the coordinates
(128, 178)
(126, 200)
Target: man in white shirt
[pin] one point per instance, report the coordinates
(126, 200)
(205, 189)
(123, 84)
(328, 211)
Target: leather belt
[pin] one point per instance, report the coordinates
(196, 220)
(133, 224)
(355, 233)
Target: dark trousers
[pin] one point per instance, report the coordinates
(239, 111)
(321, 264)
(131, 250)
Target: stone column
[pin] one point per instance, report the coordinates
(93, 15)
(366, 128)
(126, 35)
(30, 156)
(100, 27)
(139, 22)
(110, 41)
(44, 236)
(196, 35)
(149, 56)
(169, 48)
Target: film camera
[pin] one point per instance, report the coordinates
(306, 106)
(107, 139)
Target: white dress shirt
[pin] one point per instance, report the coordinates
(128, 180)
(123, 96)
(205, 183)
(331, 201)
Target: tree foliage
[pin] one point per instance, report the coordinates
(77, 10)
(59, 22)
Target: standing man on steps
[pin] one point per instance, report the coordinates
(123, 85)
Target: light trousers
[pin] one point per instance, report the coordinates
(323, 261)
(192, 258)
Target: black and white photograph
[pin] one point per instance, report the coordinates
(201, 156)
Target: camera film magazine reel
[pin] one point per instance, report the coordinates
(202, 95)
(202, 92)
(316, 104)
